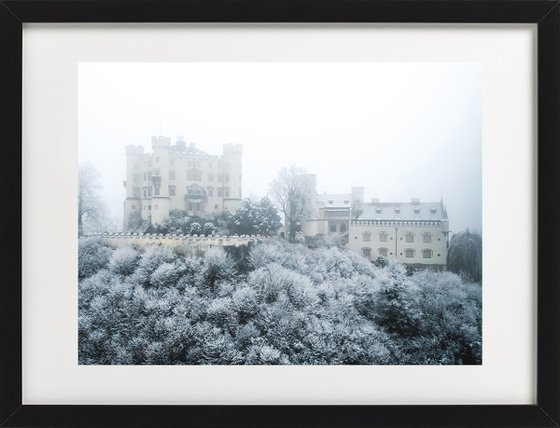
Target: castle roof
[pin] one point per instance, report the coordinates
(335, 200)
(407, 211)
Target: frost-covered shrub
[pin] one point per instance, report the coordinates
(221, 312)
(465, 255)
(244, 301)
(195, 228)
(290, 305)
(272, 281)
(268, 251)
(166, 275)
(93, 255)
(152, 258)
(124, 261)
(217, 265)
(208, 228)
(264, 354)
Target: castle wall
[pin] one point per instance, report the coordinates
(196, 241)
(396, 243)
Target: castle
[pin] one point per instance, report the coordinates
(180, 177)
(414, 233)
(183, 177)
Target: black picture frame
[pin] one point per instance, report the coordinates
(544, 13)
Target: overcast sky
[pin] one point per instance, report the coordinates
(401, 130)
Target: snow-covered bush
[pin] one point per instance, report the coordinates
(124, 261)
(272, 303)
(93, 255)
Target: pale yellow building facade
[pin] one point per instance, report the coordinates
(414, 233)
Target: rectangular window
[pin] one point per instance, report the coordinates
(383, 237)
(149, 192)
(409, 253)
(220, 191)
(172, 175)
(171, 190)
(210, 176)
(427, 238)
(220, 177)
(136, 192)
(409, 237)
(226, 177)
(194, 175)
(210, 192)
(427, 254)
(226, 192)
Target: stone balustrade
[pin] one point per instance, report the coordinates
(174, 240)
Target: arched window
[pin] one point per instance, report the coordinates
(383, 252)
(427, 254)
(382, 236)
(343, 227)
(409, 253)
(409, 237)
(366, 252)
(427, 238)
(366, 236)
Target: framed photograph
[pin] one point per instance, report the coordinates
(288, 213)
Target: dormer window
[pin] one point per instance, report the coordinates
(346, 202)
(397, 210)
(416, 210)
(433, 210)
(378, 210)
(331, 201)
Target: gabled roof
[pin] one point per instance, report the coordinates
(335, 200)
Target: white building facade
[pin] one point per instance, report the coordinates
(180, 177)
(415, 233)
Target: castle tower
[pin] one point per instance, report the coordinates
(160, 179)
(133, 184)
(232, 179)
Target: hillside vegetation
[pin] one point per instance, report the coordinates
(274, 303)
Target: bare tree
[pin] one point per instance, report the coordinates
(291, 190)
(90, 206)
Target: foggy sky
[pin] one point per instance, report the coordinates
(401, 130)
